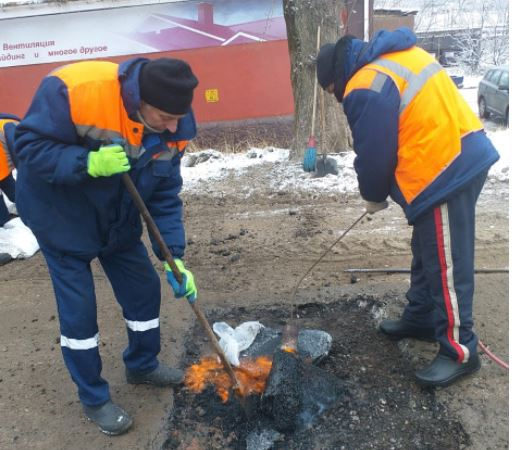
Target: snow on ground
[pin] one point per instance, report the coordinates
(283, 175)
(214, 165)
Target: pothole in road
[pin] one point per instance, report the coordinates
(378, 405)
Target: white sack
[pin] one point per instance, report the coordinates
(17, 240)
(233, 341)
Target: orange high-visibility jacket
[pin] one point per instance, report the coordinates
(415, 137)
(6, 161)
(433, 116)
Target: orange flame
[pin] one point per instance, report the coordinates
(288, 349)
(252, 375)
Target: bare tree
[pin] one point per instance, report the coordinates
(475, 30)
(470, 41)
(496, 36)
(485, 37)
(302, 19)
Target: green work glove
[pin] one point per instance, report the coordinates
(107, 161)
(187, 288)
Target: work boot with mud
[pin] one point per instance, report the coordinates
(162, 376)
(443, 371)
(110, 418)
(400, 329)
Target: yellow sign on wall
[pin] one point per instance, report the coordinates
(211, 95)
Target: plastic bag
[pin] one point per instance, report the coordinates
(233, 341)
(17, 240)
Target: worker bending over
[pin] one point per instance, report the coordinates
(418, 142)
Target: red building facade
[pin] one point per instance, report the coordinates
(240, 59)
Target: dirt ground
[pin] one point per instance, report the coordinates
(247, 254)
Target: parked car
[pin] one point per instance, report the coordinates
(456, 75)
(493, 94)
(449, 63)
(458, 80)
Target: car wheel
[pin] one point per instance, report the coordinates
(482, 109)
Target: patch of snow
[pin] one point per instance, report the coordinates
(283, 174)
(292, 177)
(221, 165)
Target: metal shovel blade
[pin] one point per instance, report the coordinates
(325, 166)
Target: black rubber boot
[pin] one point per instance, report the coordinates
(161, 376)
(110, 418)
(443, 371)
(400, 329)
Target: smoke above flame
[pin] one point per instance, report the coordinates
(252, 375)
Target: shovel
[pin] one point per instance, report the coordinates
(324, 165)
(153, 230)
(310, 154)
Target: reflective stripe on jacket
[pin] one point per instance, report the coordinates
(433, 116)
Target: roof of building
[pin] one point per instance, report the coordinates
(394, 12)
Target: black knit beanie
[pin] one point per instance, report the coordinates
(330, 65)
(167, 84)
(325, 65)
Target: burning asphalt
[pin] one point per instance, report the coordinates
(328, 394)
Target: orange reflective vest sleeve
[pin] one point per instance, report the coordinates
(6, 163)
(95, 104)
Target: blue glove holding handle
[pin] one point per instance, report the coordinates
(187, 288)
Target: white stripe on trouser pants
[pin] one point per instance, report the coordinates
(136, 325)
(450, 281)
(80, 344)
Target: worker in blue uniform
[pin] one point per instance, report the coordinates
(418, 142)
(88, 123)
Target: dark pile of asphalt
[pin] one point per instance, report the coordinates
(380, 407)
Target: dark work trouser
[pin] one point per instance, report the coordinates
(7, 186)
(442, 272)
(136, 286)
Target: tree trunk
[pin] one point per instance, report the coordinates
(302, 19)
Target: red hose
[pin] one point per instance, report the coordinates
(492, 356)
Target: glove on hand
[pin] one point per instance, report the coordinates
(108, 160)
(187, 287)
(373, 207)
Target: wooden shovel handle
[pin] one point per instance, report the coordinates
(315, 88)
(155, 232)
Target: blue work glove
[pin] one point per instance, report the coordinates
(187, 288)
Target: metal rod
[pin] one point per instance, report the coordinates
(400, 270)
(294, 293)
(290, 337)
(153, 230)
